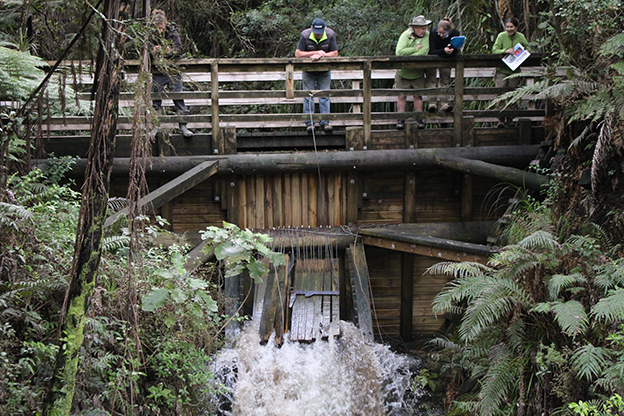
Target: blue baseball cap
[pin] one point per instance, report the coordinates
(318, 26)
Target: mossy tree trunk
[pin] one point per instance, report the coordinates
(92, 215)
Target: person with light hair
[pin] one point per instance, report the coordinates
(165, 44)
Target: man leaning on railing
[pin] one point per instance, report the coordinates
(316, 42)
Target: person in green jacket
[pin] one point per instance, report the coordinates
(413, 42)
(505, 42)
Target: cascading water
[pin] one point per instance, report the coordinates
(341, 376)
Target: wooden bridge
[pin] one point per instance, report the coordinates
(390, 203)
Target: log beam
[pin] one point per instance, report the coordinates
(398, 160)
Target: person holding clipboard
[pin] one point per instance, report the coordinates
(505, 43)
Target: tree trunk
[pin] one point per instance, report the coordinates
(92, 215)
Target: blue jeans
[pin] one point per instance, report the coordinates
(174, 84)
(316, 81)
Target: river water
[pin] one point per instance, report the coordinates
(340, 376)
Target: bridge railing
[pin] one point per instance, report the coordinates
(261, 93)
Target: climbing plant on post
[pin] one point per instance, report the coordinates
(92, 214)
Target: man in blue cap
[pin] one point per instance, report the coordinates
(317, 42)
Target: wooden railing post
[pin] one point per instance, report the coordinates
(214, 104)
(290, 81)
(459, 102)
(367, 86)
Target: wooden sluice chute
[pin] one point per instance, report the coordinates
(325, 279)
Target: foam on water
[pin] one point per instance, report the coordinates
(342, 376)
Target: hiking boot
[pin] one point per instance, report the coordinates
(421, 124)
(310, 129)
(432, 108)
(186, 133)
(327, 128)
(400, 125)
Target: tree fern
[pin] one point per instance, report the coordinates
(610, 275)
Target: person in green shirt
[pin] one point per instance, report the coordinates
(413, 42)
(505, 42)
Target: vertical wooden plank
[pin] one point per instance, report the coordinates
(268, 201)
(260, 206)
(459, 101)
(214, 102)
(242, 203)
(469, 132)
(331, 199)
(354, 138)
(247, 295)
(409, 198)
(278, 203)
(229, 140)
(290, 81)
(362, 293)
(267, 321)
(250, 199)
(232, 292)
(334, 286)
(281, 302)
(466, 198)
(295, 197)
(367, 102)
(353, 198)
(288, 205)
(412, 135)
(524, 131)
(233, 213)
(304, 200)
(312, 200)
(341, 182)
(355, 85)
(407, 295)
(321, 209)
(345, 288)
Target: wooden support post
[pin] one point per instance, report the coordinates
(524, 131)
(412, 135)
(459, 102)
(290, 81)
(409, 198)
(466, 198)
(267, 320)
(367, 83)
(214, 106)
(469, 132)
(356, 108)
(164, 149)
(354, 138)
(407, 295)
(231, 199)
(357, 259)
(170, 190)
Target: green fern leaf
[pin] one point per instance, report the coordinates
(571, 317)
(500, 382)
(589, 361)
(611, 308)
(560, 282)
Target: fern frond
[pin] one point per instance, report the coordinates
(613, 46)
(15, 212)
(571, 317)
(610, 275)
(465, 288)
(610, 309)
(589, 361)
(116, 203)
(499, 385)
(539, 240)
(459, 269)
(560, 282)
(113, 243)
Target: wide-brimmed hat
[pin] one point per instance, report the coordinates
(318, 26)
(420, 21)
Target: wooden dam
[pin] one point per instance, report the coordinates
(361, 212)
